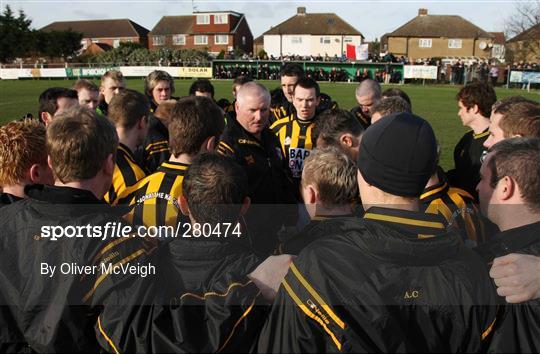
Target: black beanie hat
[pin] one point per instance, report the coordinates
(398, 154)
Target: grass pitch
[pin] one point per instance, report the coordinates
(435, 103)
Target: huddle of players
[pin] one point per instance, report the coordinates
(358, 283)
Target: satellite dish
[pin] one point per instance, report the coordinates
(483, 45)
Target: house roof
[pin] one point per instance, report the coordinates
(439, 26)
(259, 40)
(498, 37)
(316, 23)
(173, 25)
(219, 12)
(100, 28)
(531, 33)
(96, 48)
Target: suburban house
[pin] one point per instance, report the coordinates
(428, 36)
(109, 32)
(216, 31)
(526, 45)
(498, 49)
(316, 34)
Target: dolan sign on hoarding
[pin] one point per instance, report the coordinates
(205, 72)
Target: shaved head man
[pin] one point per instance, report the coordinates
(368, 93)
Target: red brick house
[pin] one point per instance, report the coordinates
(110, 32)
(216, 31)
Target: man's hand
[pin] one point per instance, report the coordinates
(269, 274)
(517, 277)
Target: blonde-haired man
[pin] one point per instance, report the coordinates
(329, 188)
(112, 82)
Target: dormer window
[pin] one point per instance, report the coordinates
(221, 19)
(203, 19)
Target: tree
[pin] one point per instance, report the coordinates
(58, 44)
(15, 35)
(524, 22)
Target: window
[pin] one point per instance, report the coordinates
(116, 43)
(221, 19)
(296, 40)
(243, 40)
(221, 39)
(454, 43)
(347, 40)
(158, 40)
(201, 39)
(325, 40)
(203, 19)
(95, 40)
(424, 43)
(179, 39)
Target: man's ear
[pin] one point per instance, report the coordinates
(475, 109)
(46, 117)
(347, 140)
(109, 164)
(310, 194)
(506, 188)
(141, 122)
(246, 203)
(318, 100)
(184, 208)
(34, 173)
(209, 144)
(49, 162)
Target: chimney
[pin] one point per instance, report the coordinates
(422, 12)
(301, 11)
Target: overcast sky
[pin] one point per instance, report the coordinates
(371, 18)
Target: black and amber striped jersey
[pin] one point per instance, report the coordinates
(296, 142)
(285, 110)
(155, 149)
(126, 173)
(155, 197)
(457, 206)
(468, 159)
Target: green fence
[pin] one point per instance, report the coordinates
(348, 69)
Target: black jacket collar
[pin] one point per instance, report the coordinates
(6, 199)
(436, 191)
(55, 200)
(510, 241)
(410, 223)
